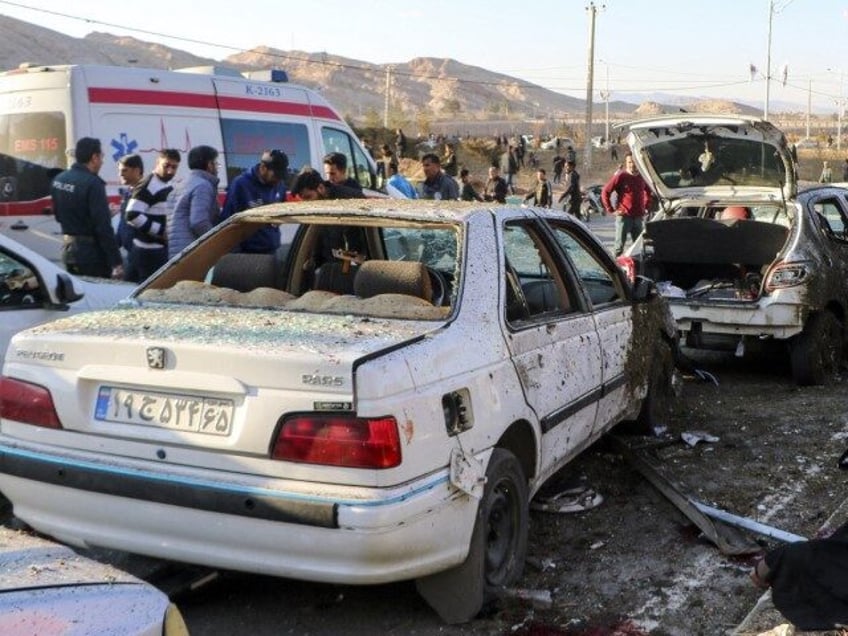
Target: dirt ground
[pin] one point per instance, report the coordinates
(634, 565)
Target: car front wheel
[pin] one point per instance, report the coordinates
(817, 353)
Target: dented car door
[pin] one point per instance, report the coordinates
(553, 341)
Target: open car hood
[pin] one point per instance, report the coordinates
(750, 158)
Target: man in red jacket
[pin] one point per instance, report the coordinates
(632, 201)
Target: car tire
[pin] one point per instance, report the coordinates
(497, 550)
(818, 352)
(658, 401)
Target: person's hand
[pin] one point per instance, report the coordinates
(118, 272)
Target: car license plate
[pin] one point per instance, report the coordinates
(212, 416)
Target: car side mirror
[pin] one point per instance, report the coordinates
(65, 291)
(643, 289)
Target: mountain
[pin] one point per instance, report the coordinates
(425, 87)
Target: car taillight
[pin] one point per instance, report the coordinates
(786, 275)
(338, 440)
(629, 266)
(28, 403)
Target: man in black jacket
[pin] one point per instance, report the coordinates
(82, 209)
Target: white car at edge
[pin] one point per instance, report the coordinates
(34, 290)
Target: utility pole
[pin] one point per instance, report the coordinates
(809, 105)
(768, 59)
(592, 9)
(388, 94)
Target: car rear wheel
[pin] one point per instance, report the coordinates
(498, 546)
(817, 353)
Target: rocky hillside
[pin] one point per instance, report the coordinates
(437, 87)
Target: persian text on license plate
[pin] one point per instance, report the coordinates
(212, 416)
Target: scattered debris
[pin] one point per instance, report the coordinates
(747, 524)
(578, 499)
(539, 599)
(705, 376)
(597, 545)
(727, 538)
(542, 565)
(693, 437)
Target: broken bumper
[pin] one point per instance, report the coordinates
(330, 534)
(777, 320)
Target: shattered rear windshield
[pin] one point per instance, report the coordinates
(706, 160)
(379, 268)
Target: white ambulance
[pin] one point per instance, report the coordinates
(45, 109)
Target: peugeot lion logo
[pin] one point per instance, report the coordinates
(156, 358)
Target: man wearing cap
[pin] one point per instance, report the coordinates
(262, 184)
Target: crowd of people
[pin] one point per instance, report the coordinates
(156, 219)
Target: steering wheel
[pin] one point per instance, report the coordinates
(439, 286)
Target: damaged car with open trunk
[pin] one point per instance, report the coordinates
(375, 401)
(744, 259)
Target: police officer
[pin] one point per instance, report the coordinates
(81, 208)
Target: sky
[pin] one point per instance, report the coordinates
(692, 49)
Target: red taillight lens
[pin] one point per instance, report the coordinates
(28, 403)
(339, 440)
(629, 266)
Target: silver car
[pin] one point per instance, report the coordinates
(742, 257)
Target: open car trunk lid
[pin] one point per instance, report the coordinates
(711, 157)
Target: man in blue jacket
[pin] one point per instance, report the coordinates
(264, 183)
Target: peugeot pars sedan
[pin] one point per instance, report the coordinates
(743, 258)
(376, 402)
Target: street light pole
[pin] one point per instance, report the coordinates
(605, 95)
(592, 9)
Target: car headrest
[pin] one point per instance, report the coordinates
(393, 277)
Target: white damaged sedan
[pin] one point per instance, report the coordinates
(377, 401)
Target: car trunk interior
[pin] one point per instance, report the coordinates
(710, 258)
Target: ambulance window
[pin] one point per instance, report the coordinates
(32, 152)
(245, 140)
(358, 165)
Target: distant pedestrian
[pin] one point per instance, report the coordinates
(400, 183)
(437, 185)
(130, 173)
(335, 170)
(613, 151)
(509, 167)
(845, 171)
(309, 186)
(542, 194)
(449, 164)
(197, 208)
(571, 155)
(400, 143)
(90, 247)
(262, 184)
(633, 199)
(826, 175)
(148, 209)
(467, 192)
(496, 188)
(572, 196)
(558, 165)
